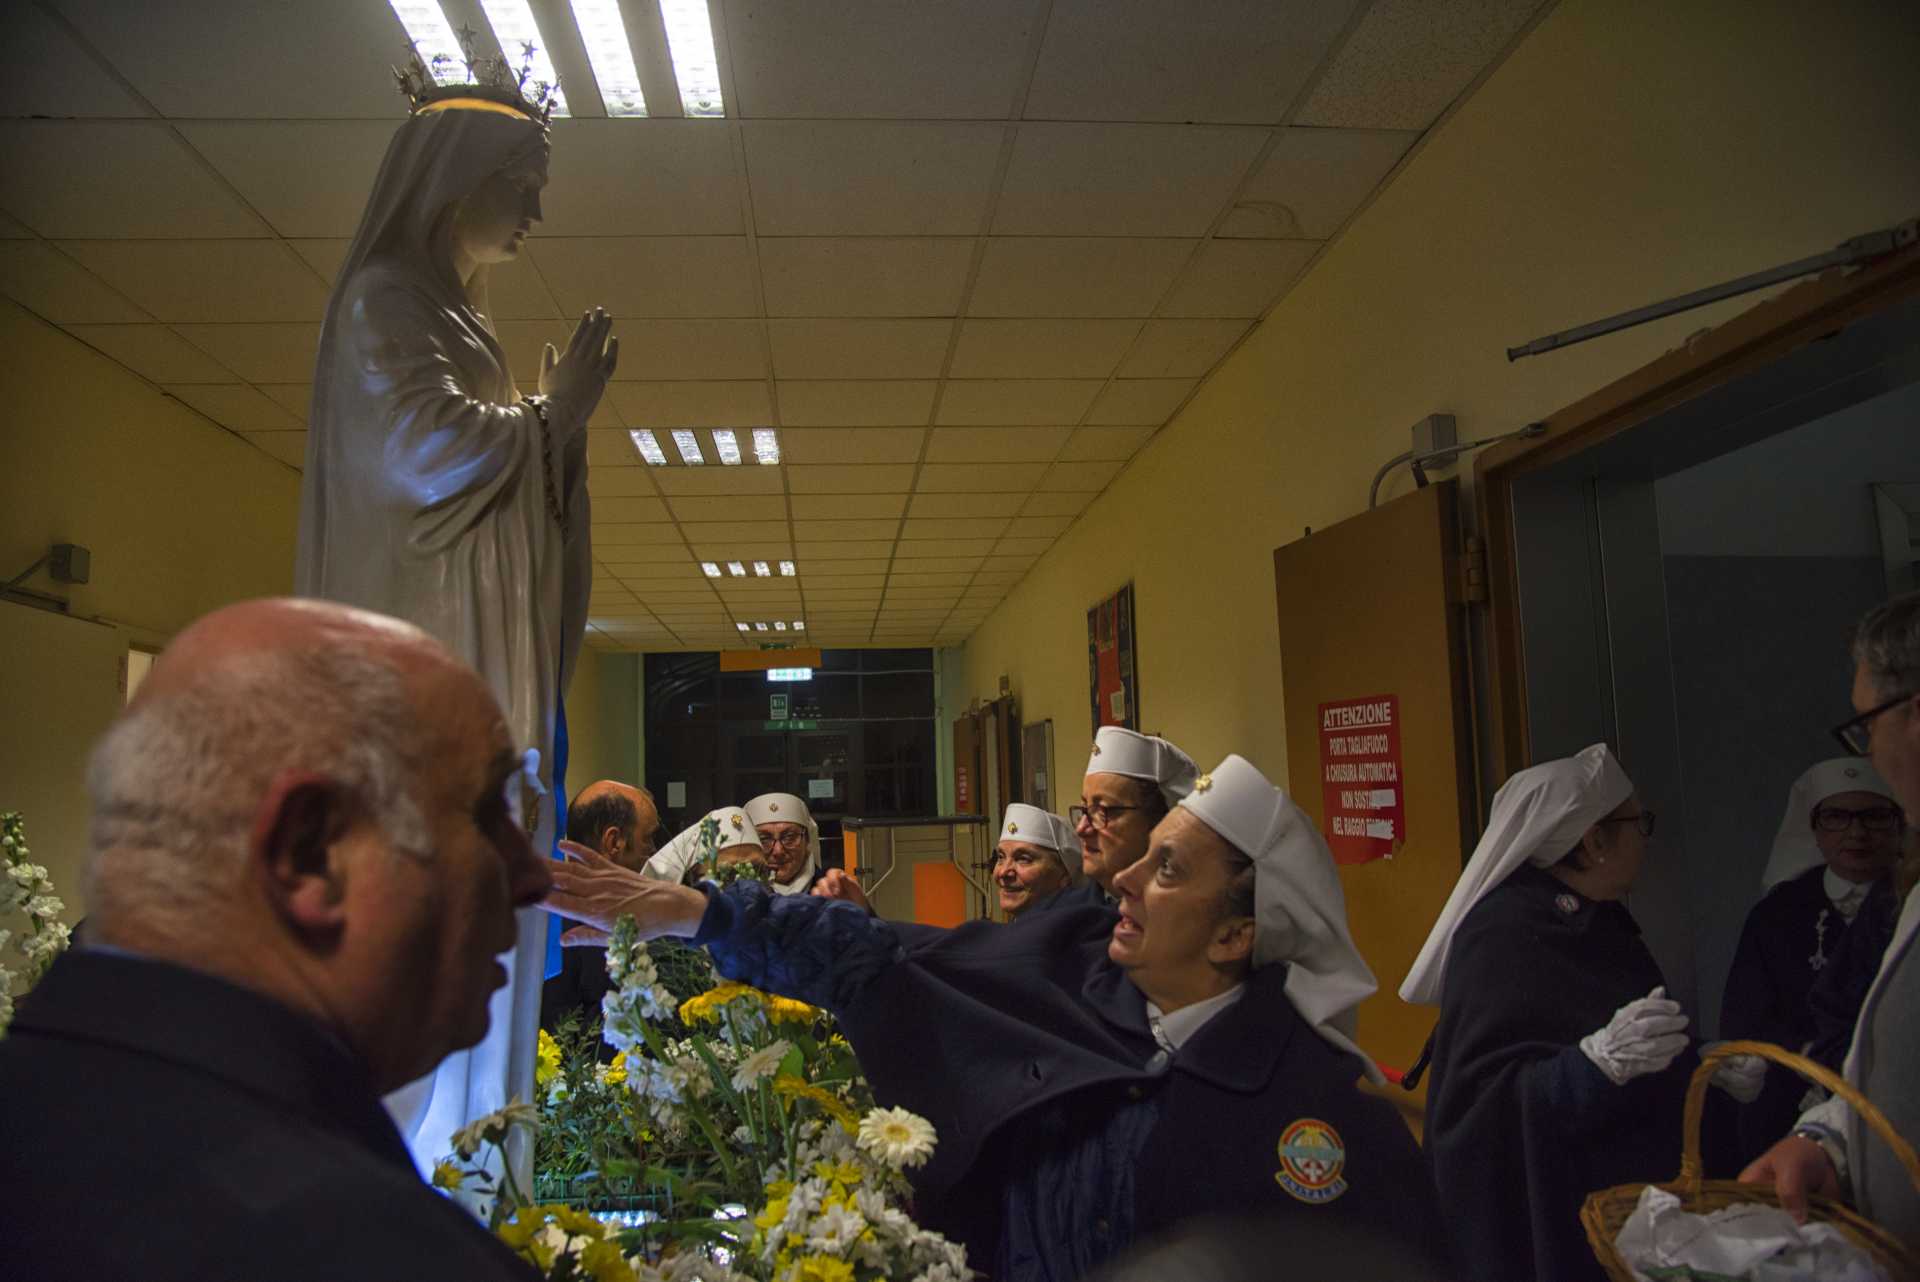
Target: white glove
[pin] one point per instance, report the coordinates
(1740, 1076)
(1644, 1036)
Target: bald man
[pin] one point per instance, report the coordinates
(305, 864)
(617, 820)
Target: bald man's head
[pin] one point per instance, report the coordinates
(616, 819)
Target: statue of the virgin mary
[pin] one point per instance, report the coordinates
(436, 493)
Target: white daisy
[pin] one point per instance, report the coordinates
(834, 1230)
(760, 1065)
(897, 1137)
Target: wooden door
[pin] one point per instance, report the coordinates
(966, 764)
(1372, 627)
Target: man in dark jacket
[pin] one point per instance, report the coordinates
(305, 863)
(1092, 1082)
(619, 821)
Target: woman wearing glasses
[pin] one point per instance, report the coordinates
(1838, 843)
(1559, 1063)
(790, 839)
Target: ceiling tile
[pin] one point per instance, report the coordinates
(207, 280)
(822, 507)
(858, 348)
(1152, 60)
(1122, 180)
(740, 550)
(680, 350)
(864, 276)
(44, 73)
(1023, 547)
(295, 398)
(995, 444)
(999, 578)
(649, 275)
(326, 254)
(750, 483)
(1139, 401)
(1004, 478)
(515, 290)
(662, 597)
(50, 284)
(1082, 477)
(235, 406)
(1409, 59)
(877, 58)
(852, 444)
(614, 510)
(962, 506)
(671, 566)
(288, 447)
(619, 482)
(624, 178)
(258, 353)
(1002, 400)
(1041, 348)
(707, 507)
(306, 177)
(869, 178)
(1007, 563)
(850, 478)
(936, 564)
(12, 229)
(850, 550)
(852, 565)
(745, 531)
(946, 591)
(1075, 276)
(610, 539)
(154, 352)
(692, 404)
(107, 179)
(1060, 504)
(1105, 443)
(854, 402)
(1239, 277)
(975, 527)
(839, 531)
(1312, 181)
(914, 550)
(1044, 527)
(814, 584)
(611, 448)
(522, 340)
(1181, 348)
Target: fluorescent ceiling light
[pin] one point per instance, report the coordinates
(432, 38)
(726, 446)
(649, 446)
(779, 625)
(736, 569)
(786, 569)
(762, 569)
(689, 446)
(605, 35)
(789, 674)
(711, 569)
(766, 446)
(695, 66)
(743, 627)
(799, 625)
(759, 627)
(513, 26)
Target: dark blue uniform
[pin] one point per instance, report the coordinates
(1065, 1133)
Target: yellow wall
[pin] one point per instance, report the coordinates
(1622, 154)
(181, 516)
(603, 719)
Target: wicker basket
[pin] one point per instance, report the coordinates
(1606, 1211)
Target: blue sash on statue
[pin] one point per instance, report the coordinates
(554, 924)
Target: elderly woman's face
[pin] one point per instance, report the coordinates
(1025, 875)
(491, 224)
(786, 847)
(1860, 834)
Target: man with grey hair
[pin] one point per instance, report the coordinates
(305, 863)
(1830, 1153)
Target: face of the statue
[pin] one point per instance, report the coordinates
(491, 225)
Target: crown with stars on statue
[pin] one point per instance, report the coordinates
(490, 79)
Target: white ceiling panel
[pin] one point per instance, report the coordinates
(1409, 59)
(155, 352)
(909, 552)
(1039, 527)
(1057, 504)
(879, 58)
(107, 179)
(870, 178)
(966, 478)
(1023, 547)
(837, 530)
(1139, 402)
(826, 575)
(207, 280)
(960, 507)
(826, 348)
(612, 540)
(1181, 348)
(708, 507)
(864, 275)
(995, 444)
(49, 283)
(751, 483)
(306, 177)
(1105, 443)
(277, 353)
(999, 401)
(12, 229)
(522, 340)
(1313, 180)
(855, 402)
(938, 564)
(44, 73)
(1041, 348)
(849, 550)
(679, 350)
(515, 290)
(851, 444)
(1122, 180)
(288, 447)
(1088, 477)
(1075, 275)
(1239, 277)
(325, 254)
(737, 549)
(691, 404)
(634, 508)
(832, 506)
(641, 178)
(850, 479)
(954, 527)
(649, 275)
(759, 527)
(619, 482)
(236, 406)
(295, 398)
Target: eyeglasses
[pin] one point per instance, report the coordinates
(1099, 814)
(1643, 821)
(786, 840)
(1856, 735)
(1839, 819)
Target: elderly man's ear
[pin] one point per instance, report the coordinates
(295, 850)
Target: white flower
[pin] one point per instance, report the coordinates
(6, 1000)
(45, 906)
(493, 1128)
(44, 946)
(28, 875)
(5, 935)
(834, 1230)
(897, 1137)
(760, 1065)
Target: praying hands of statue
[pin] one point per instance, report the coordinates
(574, 380)
(591, 888)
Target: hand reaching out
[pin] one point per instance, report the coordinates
(593, 889)
(1795, 1167)
(837, 883)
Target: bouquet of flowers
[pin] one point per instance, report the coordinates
(25, 889)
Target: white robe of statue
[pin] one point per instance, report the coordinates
(425, 497)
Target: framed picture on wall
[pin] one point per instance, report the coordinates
(1112, 670)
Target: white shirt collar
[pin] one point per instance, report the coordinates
(1173, 1030)
(1846, 896)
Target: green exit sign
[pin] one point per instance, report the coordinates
(792, 725)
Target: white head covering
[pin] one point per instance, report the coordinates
(672, 861)
(1033, 826)
(1794, 847)
(1539, 816)
(1140, 756)
(785, 808)
(1300, 912)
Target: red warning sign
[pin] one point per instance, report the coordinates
(1365, 803)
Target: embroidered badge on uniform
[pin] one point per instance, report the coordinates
(1566, 904)
(1312, 1157)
